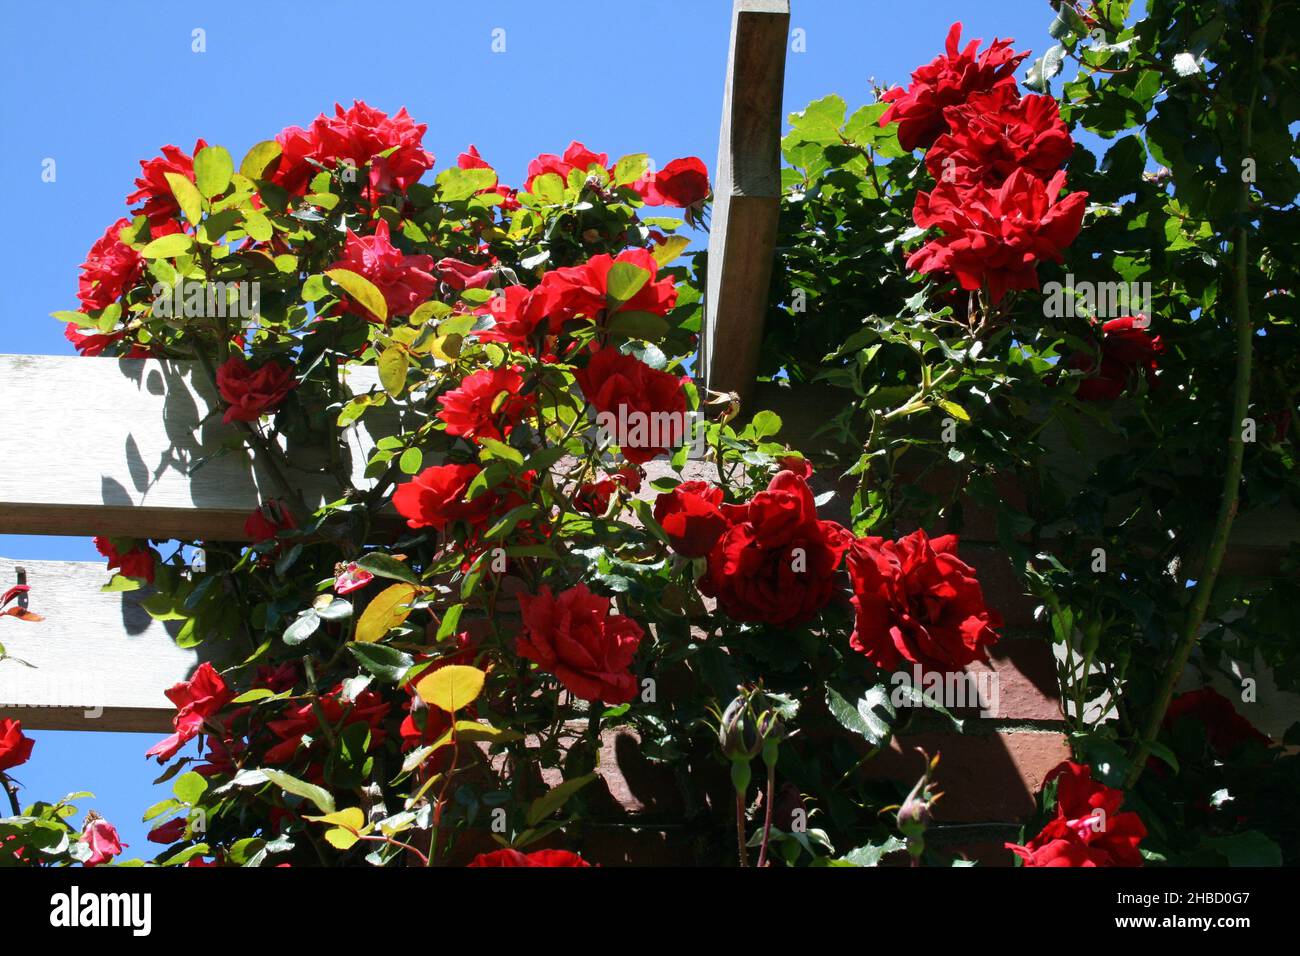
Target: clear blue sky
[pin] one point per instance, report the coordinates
(99, 86)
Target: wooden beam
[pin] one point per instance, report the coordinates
(99, 661)
(746, 196)
(129, 447)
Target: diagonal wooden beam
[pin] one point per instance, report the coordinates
(133, 448)
(98, 661)
(746, 196)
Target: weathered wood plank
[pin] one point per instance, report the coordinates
(99, 662)
(746, 196)
(107, 446)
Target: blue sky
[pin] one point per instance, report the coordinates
(99, 86)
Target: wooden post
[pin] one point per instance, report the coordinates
(746, 197)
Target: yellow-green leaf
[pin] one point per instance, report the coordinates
(213, 168)
(350, 818)
(389, 608)
(168, 247)
(187, 197)
(259, 158)
(670, 249)
(472, 731)
(393, 363)
(341, 839)
(451, 688)
(257, 225)
(953, 409)
(362, 290)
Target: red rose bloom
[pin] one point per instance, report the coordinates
(111, 267)
(574, 636)
(593, 498)
(576, 157)
(159, 205)
(436, 497)
(252, 394)
(583, 290)
(916, 601)
(356, 136)
(509, 857)
(1127, 349)
(136, 562)
(471, 410)
(775, 563)
(404, 281)
(691, 516)
(101, 836)
(168, 832)
(463, 275)
(994, 239)
(1089, 829)
(267, 521)
(1225, 729)
(516, 314)
(682, 183)
(196, 700)
(947, 80)
(301, 720)
(645, 409)
(15, 746)
(995, 133)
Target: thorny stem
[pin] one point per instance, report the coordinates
(1236, 446)
(740, 827)
(12, 790)
(767, 815)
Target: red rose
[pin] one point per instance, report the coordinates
(692, 517)
(102, 838)
(471, 410)
(268, 521)
(1089, 829)
(168, 832)
(196, 700)
(463, 275)
(576, 157)
(351, 578)
(436, 497)
(947, 80)
(994, 239)
(159, 204)
(509, 857)
(301, 720)
(593, 498)
(915, 600)
(404, 281)
(1127, 349)
(776, 562)
(15, 746)
(136, 562)
(516, 314)
(356, 136)
(111, 267)
(97, 343)
(1225, 729)
(252, 394)
(643, 409)
(682, 183)
(995, 133)
(574, 636)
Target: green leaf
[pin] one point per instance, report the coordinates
(168, 247)
(213, 168)
(411, 461)
(387, 663)
(362, 291)
(259, 158)
(863, 719)
(386, 566)
(873, 853)
(322, 798)
(553, 800)
(187, 197)
(189, 787)
(303, 627)
(549, 188)
(500, 450)
(449, 621)
(766, 424)
(638, 325)
(630, 168)
(953, 409)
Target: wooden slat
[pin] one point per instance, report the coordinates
(107, 446)
(99, 661)
(746, 196)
